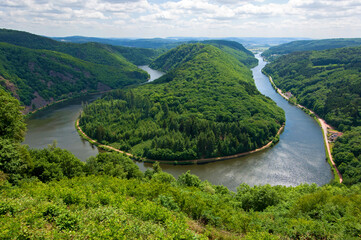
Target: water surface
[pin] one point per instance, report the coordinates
(298, 158)
(58, 123)
(154, 74)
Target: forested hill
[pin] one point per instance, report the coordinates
(309, 45)
(176, 56)
(39, 77)
(39, 70)
(328, 82)
(90, 51)
(235, 49)
(207, 105)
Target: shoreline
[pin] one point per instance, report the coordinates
(180, 162)
(323, 125)
(29, 114)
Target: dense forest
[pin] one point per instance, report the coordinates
(235, 49)
(309, 45)
(50, 194)
(207, 105)
(38, 70)
(89, 51)
(328, 82)
(38, 76)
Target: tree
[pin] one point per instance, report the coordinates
(11, 119)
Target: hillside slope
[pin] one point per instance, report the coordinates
(329, 83)
(39, 77)
(207, 105)
(309, 45)
(235, 49)
(89, 51)
(39, 70)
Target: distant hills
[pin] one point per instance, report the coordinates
(168, 43)
(38, 70)
(309, 45)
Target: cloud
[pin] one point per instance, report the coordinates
(153, 18)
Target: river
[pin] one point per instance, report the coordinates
(299, 157)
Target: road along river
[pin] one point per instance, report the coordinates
(299, 157)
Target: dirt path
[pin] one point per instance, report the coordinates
(195, 161)
(324, 127)
(92, 141)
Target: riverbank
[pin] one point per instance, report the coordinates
(181, 162)
(324, 126)
(80, 95)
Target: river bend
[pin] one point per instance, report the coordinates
(299, 157)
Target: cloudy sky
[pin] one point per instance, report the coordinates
(191, 18)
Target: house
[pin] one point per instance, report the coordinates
(288, 94)
(334, 136)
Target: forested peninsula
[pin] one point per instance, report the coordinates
(39, 71)
(329, 83)
(206, 105)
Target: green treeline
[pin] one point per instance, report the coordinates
(329, 83)
(207, 105)
(38, 70)
(235, 49)
(347, 155)
(50, 194)
(309, 45)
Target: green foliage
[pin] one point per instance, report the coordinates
(138, 56)
(54, 163)
(309, 45)
(11, 124)
(236, 50)
(110, 207)
(14, 158)
(112, 164)
(40, 76)
(347, 155)
(257, 198)
(39, 70)
(328, 82)
(207, 105)
(116, 201)
(188, 179)
(91, 52)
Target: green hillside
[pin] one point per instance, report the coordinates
(90, 51)
(50, 194)
(38, 77)
(309, 45)
(236, 50)
(39, 70)
(207, 105)
(328, 82)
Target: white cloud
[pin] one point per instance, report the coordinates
(153, 18)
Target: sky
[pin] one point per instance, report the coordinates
(184, 18)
